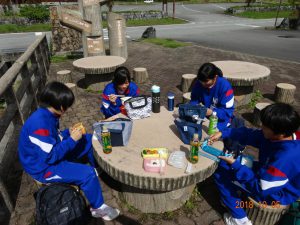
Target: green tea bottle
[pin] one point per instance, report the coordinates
(194, 149)
(213, 122)
(106, 141)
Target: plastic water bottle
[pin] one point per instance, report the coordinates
(213, 122)
(106, 140)
(170, 101)
(194, 149)
(155, 98)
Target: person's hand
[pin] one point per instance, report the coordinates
(113, 98)
(230, 160)
(208, 112)
(216, 136)
(76, 134)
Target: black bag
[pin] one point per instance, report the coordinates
(150, 32)
(60, 204)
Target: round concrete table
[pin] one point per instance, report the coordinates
(153, 192)
(98, 70)
(244, 77)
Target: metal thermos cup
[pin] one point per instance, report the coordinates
(155, 98)
(170, 101)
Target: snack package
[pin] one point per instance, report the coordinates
(155, 153)
(79, 126)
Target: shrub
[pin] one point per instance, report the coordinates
(38, 13)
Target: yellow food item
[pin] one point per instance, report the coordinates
(80, 127)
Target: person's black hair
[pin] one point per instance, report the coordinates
(121, 75)
(208, 71)
(57, 95)
(281, 118)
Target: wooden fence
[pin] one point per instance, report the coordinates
(19, 87)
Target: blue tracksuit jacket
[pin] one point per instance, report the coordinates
(109, 109)
(275, 177)
(48, 154)
(219, 98)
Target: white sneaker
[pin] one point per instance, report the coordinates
(105, 212)
(229, 220)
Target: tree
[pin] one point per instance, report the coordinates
(294, 19)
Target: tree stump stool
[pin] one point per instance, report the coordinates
(256, 112)
(140, 75)
(284, 93)
(186, 97)
(187, 82)
(263, 214)
(73, 87)
(64, 76)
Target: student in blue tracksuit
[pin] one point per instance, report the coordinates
(215, 93)
(48, 154)
(275, 178)
(121, 85)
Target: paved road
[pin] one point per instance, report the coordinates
(209, 27)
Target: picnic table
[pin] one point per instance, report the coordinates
(98, 70)
(244, 77)
(154, 192)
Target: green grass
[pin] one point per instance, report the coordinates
(256, 97)
(264, 15)
(167, 43)
(13, 28)
(63, 58)
(59, 58)
(150, 22)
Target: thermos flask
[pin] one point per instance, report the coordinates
(155, 98)
(170, 101)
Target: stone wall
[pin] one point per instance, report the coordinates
(63, 38)
(233, 10)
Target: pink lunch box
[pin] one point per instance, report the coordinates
(154, 165)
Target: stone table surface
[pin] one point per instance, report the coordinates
(241, 73)
(98, 64)
(125, 164)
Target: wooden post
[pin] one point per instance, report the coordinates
(73, 87)
(187, 81)
(140, 75)
(256, 112)
(95, 41)
(64, 76)
(89, 22)
(5, 196)
(117, 35)
(186, 97)
(284, 93)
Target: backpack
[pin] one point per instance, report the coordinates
(150, 32)
(292, 217)
(60, 204)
